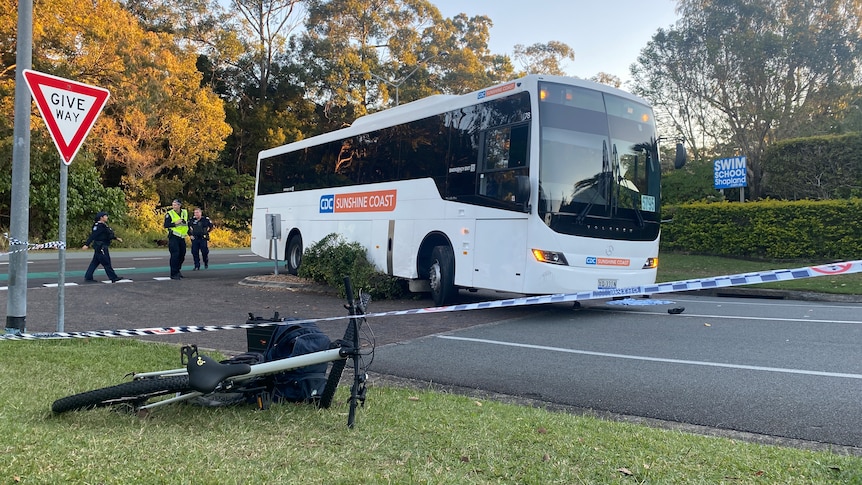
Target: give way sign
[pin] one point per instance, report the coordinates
(69, 109)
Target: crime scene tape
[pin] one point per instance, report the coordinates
(834, 269)
(30, 246)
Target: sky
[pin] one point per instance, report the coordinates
(606, 35)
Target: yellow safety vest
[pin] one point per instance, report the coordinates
(181, 231)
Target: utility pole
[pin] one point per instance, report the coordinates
(19, 218)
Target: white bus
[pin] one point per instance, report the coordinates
(537, 186)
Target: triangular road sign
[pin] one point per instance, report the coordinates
(69, 109)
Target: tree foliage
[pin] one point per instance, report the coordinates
(158, 118)
(749, 72)
(544, 58)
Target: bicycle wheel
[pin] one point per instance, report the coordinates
(135, 393)
(335, 374)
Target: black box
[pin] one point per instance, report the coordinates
(258, 338)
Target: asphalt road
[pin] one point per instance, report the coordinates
(784, 369)
(208, 297)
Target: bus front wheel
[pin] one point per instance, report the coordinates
(293, 255)
(441, 274)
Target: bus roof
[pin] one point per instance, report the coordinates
(436, 104)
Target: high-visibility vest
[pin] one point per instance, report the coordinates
(183, 230)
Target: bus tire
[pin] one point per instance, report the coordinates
(441, 274)
(293, 254)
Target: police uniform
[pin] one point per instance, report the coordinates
(178, 228)
(200, 232)
(100, 239)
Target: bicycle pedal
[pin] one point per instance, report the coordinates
(264, 400)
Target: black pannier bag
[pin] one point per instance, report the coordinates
(304, 384)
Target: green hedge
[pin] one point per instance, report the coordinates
(818, 167)
(815, 230)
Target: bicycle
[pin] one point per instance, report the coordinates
(228, 382)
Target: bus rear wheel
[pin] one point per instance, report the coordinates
(293, 255)
(441, 274)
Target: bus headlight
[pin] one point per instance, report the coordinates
(552, 257)
(651, 263)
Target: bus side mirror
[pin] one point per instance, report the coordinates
(679, 159)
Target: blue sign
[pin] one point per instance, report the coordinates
(730, 173)
(327, 204)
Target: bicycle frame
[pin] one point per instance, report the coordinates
(205, 376)
(257, 370)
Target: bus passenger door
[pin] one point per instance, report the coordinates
(499, 257)
(380, 250)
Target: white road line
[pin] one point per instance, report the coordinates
(741, 317)
(724, 301)
(146, 259)
(657, 359)
(245, 262)
(55, 285)
(161, 278)
(246, 255)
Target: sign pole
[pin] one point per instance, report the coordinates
(61, 273)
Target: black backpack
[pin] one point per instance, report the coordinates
(289, 340)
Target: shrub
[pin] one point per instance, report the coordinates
(332, 258)
(228, 238)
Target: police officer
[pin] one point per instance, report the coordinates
(101, 237)
(199, 228)
(177, 224)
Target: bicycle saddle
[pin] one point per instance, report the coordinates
(205, 373)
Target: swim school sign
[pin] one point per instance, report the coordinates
(730, 173)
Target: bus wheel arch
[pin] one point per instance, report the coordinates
(293, 252)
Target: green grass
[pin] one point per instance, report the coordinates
(674, 267)
(402, 436)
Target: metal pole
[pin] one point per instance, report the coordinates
(61, 274)
(19, 220)
(274, 240)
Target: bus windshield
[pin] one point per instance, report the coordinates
(599, 172)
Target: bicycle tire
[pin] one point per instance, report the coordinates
(335, 373)
(135, 393)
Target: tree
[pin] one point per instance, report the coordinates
(544, 58)
(268, 24)
(357, 54)
(470, 65)
(159, 117)
(609, 79)
(750, 72)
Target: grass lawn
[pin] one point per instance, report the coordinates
(402, 436)
(675, 267)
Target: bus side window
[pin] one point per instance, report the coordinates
(518, 146)
(505, 158)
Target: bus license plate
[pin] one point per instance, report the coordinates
(607, 284)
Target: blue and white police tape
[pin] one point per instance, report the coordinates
(30, 246)
(834, 269)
